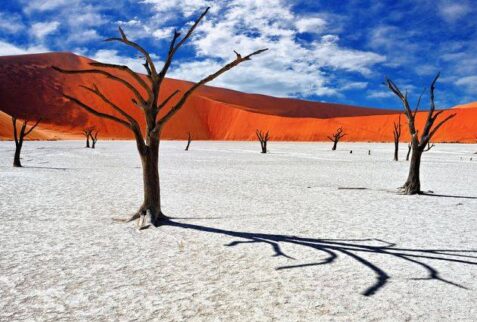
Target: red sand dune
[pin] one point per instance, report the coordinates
(30, 88)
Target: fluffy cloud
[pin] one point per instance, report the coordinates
(113, 57)
(289, 68)
(451, 11)
(41, 29)
(469, 83)
(7, 49)
(10, 23)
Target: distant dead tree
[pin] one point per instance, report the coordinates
(148, 142)
(94, 138)
(408, 151)
(20, 137)
(87, 133)
(397, 136)
(189, 139)
(335, 138)
(418, 144)
(263, 138)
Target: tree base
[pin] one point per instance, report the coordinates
(145, 218)
(411, 189)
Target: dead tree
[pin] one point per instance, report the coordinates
(419, 139)
(147, 142)
(335, 138)
(94, 138)
(87, 133)
(397, 136)
(189, 139)
(20, 137)
(408, 151)
(263, 138)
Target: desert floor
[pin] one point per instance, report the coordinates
(301, 233)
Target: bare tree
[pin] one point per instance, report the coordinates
(397, 136)
(263, 138)
(94, 138)
(189, 139)
(148, 143)
(335, 138)
(87, 133)
(20, 137)
(418, 144)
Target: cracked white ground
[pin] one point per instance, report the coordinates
(257, 237)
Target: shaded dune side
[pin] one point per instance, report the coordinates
(31, 89)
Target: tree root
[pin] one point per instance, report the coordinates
(144, 219)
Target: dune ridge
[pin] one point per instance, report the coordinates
(32, 89)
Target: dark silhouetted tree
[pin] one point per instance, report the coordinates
(408, 151)
(20, 137)
(263, 138)
(419, 139)
(87, 133)
(155, 112)
(94, 138)
(189, 139)
(335, 138)
(397, 136)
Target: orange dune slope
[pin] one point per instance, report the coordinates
(30, 88)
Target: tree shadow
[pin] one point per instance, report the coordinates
(46, 168)
(351, 248)
(446, 196)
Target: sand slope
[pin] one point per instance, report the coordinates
(31, 88)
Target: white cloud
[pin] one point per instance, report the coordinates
(310, 24)
(10, 23)
(353, 85)
(113, 57)
(42, 29)
(45, 5)
(7, 49)
(289, 68)
(451, 11)
(379, 94)
(83, 36)
(469, 83)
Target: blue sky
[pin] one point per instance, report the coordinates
(331, 51)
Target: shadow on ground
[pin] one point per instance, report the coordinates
(351, 248)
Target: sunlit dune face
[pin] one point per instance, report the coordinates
(31, 89)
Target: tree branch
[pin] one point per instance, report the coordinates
(98, 93)
(139, 48)
(33, 127)
(128, 70)
(109, 75)
(205, 80)
(95, 112)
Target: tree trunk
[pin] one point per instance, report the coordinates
(396, 150)
(16, 158)
(87, 141)
(413, 182)
(93, 144)
(335, 143)
(408, 152)
(152, 199)
(264, 147)
(189, 139)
